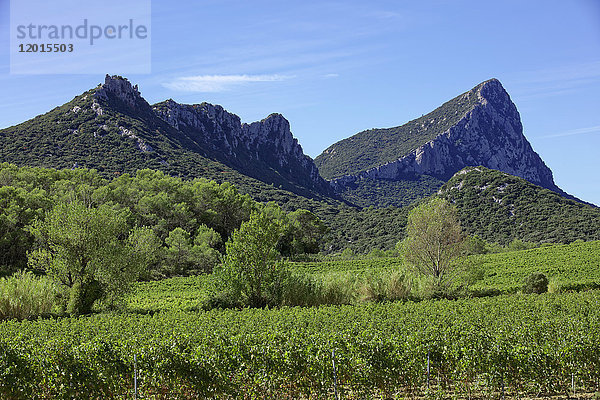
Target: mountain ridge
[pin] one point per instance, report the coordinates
(112, 128)
(488, 132)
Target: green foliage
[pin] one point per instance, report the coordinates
(165, 203)
(518, 244)
(383, 192)
(25, 296)
(178, 293)
(571, 267)
(186, 257)
(434, 241)
(535, 283)
(390, 286)
(302, 233)
(500, 208)
(523, 344)
(252, 270)
(18, 208)
(476, 245)
(89, 253)
(574, 265)
(374, 147)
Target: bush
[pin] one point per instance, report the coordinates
(252, 270)
(301, 290)
(24, 296)
(385, 287)
(221, 300)
(535, 283)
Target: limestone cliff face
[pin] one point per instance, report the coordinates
(265, 150)
(490, 134)
(266, 146)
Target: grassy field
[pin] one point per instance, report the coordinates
(574, 266)
(570, 266)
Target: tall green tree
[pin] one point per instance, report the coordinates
(184, 256)
(91, 253)
(253, 271)
(434, 241)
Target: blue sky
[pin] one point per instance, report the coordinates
(334, 68)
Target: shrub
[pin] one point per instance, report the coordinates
(252, 270)
(388, 286)
(535, 283)
(338, 289)
(24, 296)
(302, 290)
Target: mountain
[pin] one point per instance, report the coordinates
(500, 207)
(113, 129)
(479, 127)
(265, 150)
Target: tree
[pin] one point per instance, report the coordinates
(184, 257)
(178, 254)
(91, 253)
(301, 231)
(204, 251)
(308, 231)
(434, 241)
(252, 271)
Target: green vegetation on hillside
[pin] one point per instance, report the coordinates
(371, 148)
(384, 192)
(568, 267)
(114, 137)
(500, 208)
(110, 141)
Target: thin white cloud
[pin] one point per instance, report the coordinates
(580, 131)
(556, 81)
(331, 75)
(218, 83)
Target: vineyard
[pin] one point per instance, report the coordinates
(518, 344)
(568, 267)
(166, 347)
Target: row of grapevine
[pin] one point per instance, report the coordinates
(519, 344)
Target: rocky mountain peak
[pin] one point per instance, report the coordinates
(485, 130)
(492, 92)
(273, 130)
(117, 87)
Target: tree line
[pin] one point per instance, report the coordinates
(95, 236)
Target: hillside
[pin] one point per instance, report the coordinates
(112, 129)
(479, 127)
(374, 147)
(500, 207)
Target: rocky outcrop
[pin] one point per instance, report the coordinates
(490, 134)
(265, 150)
(118, 88)
(263, 147)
